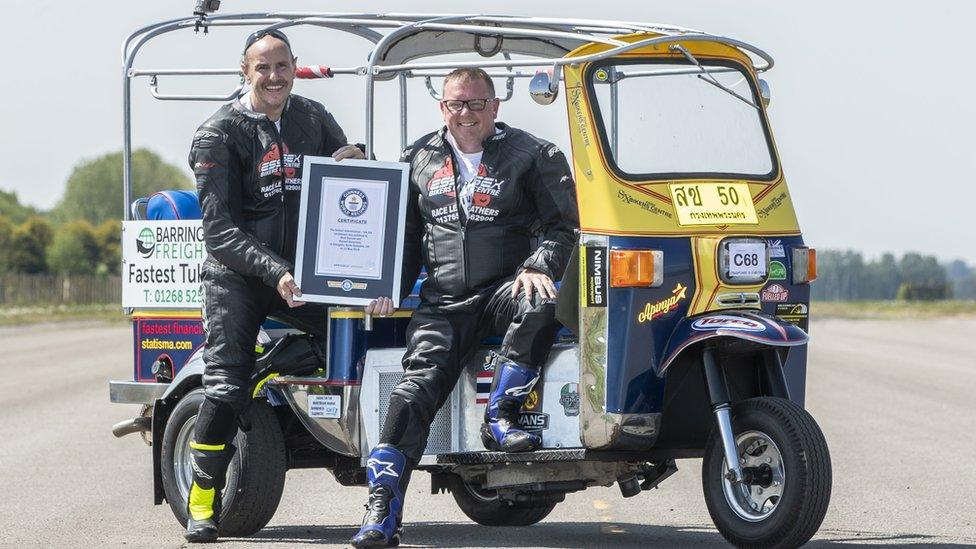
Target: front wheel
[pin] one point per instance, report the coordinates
(786, 465)
(484, 507)
(255, 476)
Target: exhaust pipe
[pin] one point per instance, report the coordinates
(134, 425)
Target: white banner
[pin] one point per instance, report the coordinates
(161, 264)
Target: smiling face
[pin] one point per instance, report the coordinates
(269, 68)
(469, 128)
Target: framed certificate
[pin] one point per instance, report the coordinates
(350, 237)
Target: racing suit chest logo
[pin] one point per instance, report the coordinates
(442, 195)
(270, 166)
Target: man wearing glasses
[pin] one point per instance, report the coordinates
(492, 216)
(247, 160)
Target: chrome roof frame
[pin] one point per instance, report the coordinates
(386, 31)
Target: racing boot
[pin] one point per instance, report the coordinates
(510, 387)
(388, 473)
(209, 462)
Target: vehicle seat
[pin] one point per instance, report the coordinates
(167, 205)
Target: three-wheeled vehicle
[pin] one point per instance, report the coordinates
(685, 306)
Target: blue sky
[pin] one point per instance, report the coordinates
(872, 101)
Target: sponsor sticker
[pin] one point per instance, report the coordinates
(663, 307)
(325, 406)
(775, 293)
(533, 421)
(569, 399)
(727, 322)
(645, 205)
(595, 277)
(776, 248)
(579, 114)
(797, 314)
(165, 338)
(532, 402)
(773, 205)
(713, 204)
(777, 271)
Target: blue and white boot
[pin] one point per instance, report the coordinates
(510, 387)
(388, 474)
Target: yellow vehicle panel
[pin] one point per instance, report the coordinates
(613, 206)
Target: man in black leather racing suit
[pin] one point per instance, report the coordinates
(492, 215)
(247, 159)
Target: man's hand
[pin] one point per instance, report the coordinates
(288, 290)
(348, 151)
(382, 306)
(533, 280)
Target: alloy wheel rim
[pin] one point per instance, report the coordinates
(756, 502)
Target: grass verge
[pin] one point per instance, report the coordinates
(15, 316)
(891, 309)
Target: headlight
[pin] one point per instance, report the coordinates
(743, 260)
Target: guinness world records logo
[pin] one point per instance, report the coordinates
(353, 202)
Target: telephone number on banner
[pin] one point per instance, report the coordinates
(165, 296)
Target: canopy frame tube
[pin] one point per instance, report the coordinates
(384, 30)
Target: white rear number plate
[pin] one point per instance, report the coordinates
(747, 259)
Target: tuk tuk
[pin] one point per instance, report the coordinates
(685, 305)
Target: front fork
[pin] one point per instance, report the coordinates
(718, 394)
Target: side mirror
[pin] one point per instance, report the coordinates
(544, 87)
(764, 92)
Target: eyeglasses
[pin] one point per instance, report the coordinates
(474, 105)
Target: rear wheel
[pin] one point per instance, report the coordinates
(786, 465)
(255, 477)
(484, 507)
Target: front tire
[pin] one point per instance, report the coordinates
(787, 457)
(487, 509)
(255, 476)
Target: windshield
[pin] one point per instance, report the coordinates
(671, 123)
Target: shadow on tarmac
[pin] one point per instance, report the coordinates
(573, 534)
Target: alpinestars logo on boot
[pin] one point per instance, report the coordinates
(380, 468)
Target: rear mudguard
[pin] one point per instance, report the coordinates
(752, 326)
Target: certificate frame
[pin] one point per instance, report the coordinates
(350, 230)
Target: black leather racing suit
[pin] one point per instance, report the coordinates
(249, 180)
(523, 215)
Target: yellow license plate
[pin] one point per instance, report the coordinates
(713, 204)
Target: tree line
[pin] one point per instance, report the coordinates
(80, 235)
(844, 275)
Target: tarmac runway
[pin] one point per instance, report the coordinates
(894, 398)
